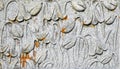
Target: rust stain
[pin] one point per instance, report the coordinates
(10, 55)
(63, 30)
(36, 44)
(65, 18)
(43, 38)
(23, 59)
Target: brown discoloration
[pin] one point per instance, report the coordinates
(10, 55)
(34, 55)
(92, 26)
(23, 59)
(63, 30)
(83, 22)
(89, 25)
(43, 38)
(118, 16)
(65, 18)
(36, 44)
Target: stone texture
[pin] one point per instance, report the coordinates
(59, 34)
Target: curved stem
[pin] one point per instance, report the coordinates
(65, 7)
(5, 15)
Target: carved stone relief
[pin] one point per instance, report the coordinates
(59, 34)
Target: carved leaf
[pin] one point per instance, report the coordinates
(106, 58)
(111, 20)
(69, 43)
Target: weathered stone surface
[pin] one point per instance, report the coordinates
(59, 34)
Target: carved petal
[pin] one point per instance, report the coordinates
(88, 19)
(41, 36)
(28, 47)
(36, 9)
(78, 6)
(95, 20)
(12, 11)
(111, 19)
(110, 4)
(98, 12)
(27, 16)
(19, 17)
(68, 27)
(106, 58)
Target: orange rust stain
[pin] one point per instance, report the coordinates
(43, 38)
(63, 30)
(65, 18)
(23, 59)
(10, 55)
(36, 44)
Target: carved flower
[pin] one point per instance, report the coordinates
(22, 11)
